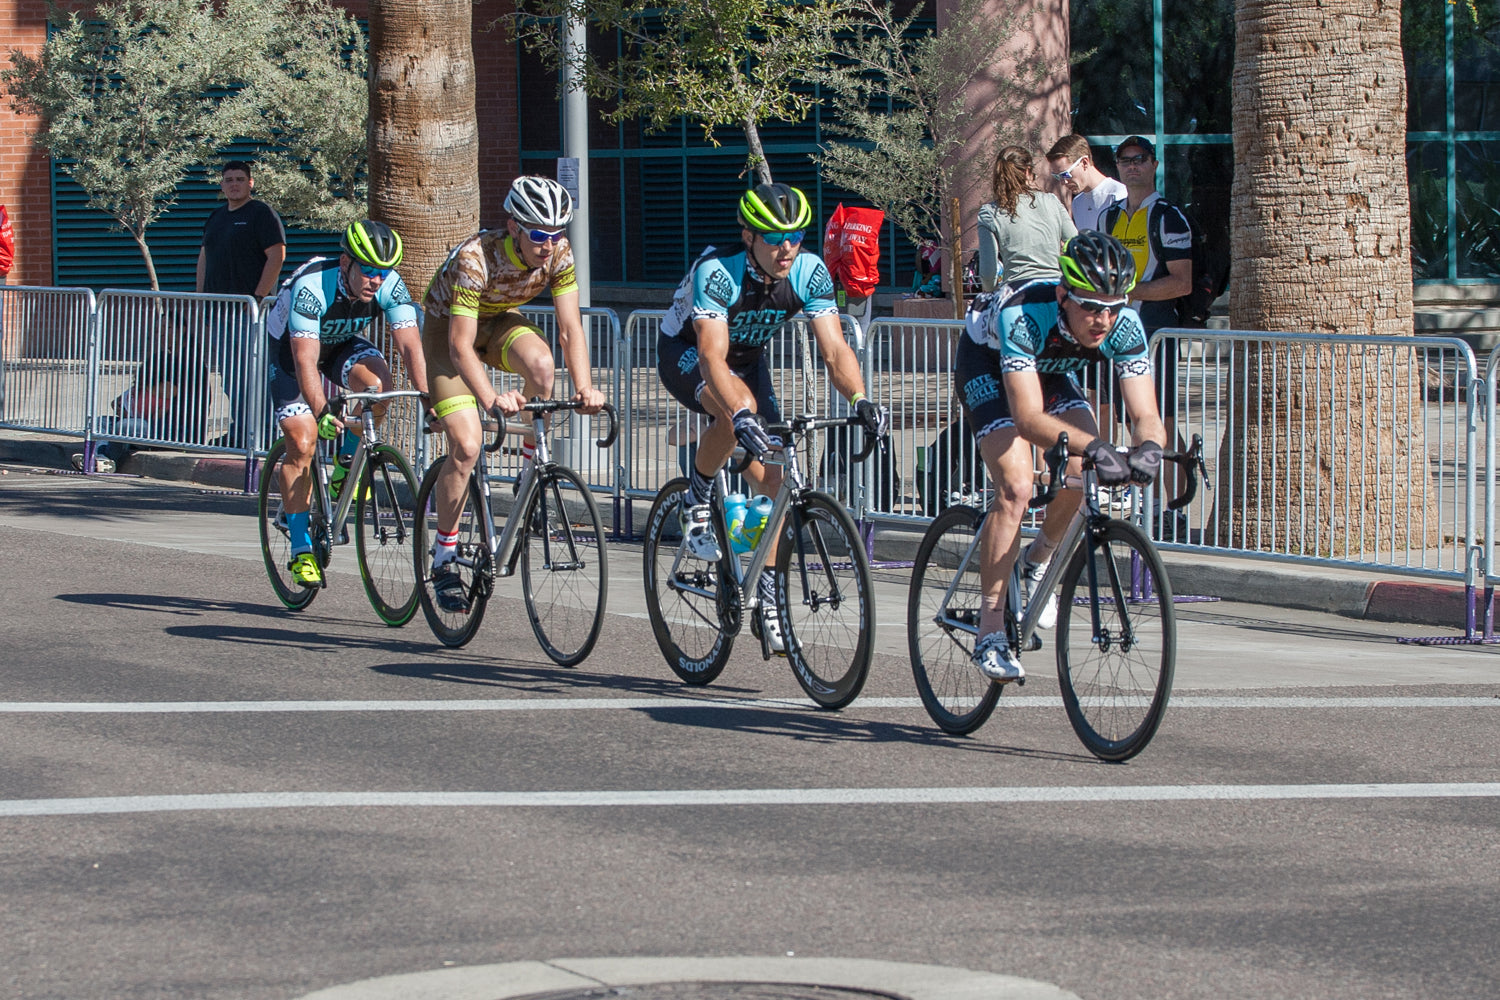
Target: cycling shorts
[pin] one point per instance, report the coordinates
(981, 389)
(493, 341)
(335, 362)
(678, 367)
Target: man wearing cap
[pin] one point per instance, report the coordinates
(1072, 165)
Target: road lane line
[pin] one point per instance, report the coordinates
(15, 808)
(638, 704)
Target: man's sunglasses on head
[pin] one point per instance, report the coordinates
(1096, 305)
(540, 236)
(1067, 175)
(776, 239)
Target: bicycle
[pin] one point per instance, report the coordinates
(382, 505)
(823, 585)
(562, 562)
(1116, 633)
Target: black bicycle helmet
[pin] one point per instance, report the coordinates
(540, 202)
(373, 243)
(1097, 262)
(775, 208)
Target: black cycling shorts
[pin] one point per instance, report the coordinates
(334, 364)
(981, 389)
(678, 366)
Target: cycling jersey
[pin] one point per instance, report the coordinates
(485, 275)
(728, 287)
(314, 304)
(1026, 326)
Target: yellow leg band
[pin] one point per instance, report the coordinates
(453, 405)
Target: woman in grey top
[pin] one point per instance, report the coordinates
(1023, 230)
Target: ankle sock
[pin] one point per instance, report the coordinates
(446, 549)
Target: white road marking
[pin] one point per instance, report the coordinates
(652, 704)
(738, 797)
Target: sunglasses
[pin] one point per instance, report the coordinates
(1095, 306)
(776, 239)
(1132, 161)
(1067, 175)
(375, 272)
(541, 236)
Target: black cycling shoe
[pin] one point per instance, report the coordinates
(448, 588)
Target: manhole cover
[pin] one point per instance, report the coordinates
(715, 991)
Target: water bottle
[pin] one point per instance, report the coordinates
(734, 516)
(756, 513)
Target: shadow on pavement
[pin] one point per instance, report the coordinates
(177, 605)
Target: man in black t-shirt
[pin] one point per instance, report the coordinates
(244, 247)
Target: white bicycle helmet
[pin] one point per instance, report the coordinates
(540, 202)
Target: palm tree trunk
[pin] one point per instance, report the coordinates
(424, 137)
(1320, 243)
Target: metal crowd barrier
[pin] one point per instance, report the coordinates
(45, 362)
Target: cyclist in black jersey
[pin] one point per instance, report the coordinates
(712, 348)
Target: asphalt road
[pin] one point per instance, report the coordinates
(204, 796)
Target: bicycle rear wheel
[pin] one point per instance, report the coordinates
(1116, 679)
(275, 543)
(941, 629)
(685, 597)
(474, 562)
(564, 573)
(824, 595)
(385, 534)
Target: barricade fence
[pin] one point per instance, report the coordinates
(1348, 450)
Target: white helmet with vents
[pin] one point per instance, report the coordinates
(540, 202)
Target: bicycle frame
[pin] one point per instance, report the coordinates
(336, 514)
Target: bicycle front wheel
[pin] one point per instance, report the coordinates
(474, 561)
(823, 595)
(564, 573)
(275, 542)
(942, 623)
(1116, 641)
(684, 596)
(385, 534)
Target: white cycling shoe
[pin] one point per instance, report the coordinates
(770, 628)
(1031, 575)
(698, 533)
(995, 659)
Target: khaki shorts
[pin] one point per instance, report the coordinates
(492, 343)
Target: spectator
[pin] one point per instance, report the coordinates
(1072, 164)
(244, 246)
(1158, 236)
(1023, 230)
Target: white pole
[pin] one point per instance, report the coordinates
(574, 167)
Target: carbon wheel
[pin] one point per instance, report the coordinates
(275, 545)
(564, 571)
(474, 562)
(385, 535)
(684, 595)
(1116, 676)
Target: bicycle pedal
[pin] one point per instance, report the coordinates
(1034, 644)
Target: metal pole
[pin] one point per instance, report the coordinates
(576, 149)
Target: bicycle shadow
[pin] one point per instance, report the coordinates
(530, 677)
(186, 606)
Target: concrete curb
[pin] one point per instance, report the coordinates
(520, 979)
(1353, 593)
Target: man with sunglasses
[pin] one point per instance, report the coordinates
(1072, 165)
(712, 355)
(474, 322)
(316, 327)
(1016, 374)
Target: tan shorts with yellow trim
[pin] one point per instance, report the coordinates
(492, 343)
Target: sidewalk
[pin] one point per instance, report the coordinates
(1377, 595)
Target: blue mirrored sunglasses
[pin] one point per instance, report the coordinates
(776, 239)
(375, 272)
(540, 236)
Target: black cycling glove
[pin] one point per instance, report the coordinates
(1145, 462)
(751, 433)
(1109, 464)
(875, 418)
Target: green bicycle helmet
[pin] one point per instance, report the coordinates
(1097, 262)
(775, 208)
(373, 243)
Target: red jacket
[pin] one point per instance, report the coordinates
(7, 243)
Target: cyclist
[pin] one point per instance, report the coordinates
(473, 320)
(1016, 373)
(316, 327)
(712, 355)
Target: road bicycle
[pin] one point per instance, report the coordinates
(382, 506)
(1116, 635)
(554, 537)
(823, 585)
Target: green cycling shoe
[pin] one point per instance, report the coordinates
(306, 571)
